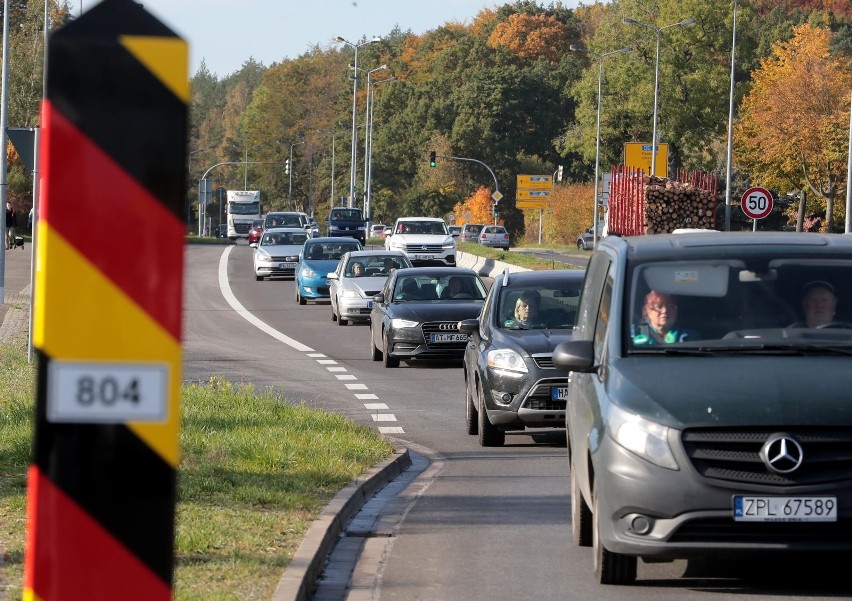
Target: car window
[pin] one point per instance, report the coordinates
(554, 304)
(603, 318)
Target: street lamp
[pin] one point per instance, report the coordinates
(367, 140)
(354, 112)
(658, 30)
(600, 58)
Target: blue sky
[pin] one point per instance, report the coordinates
(225, 33)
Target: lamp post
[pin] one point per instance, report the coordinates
(658, 30)
(354, 157)
(189, 171)
(367, 138)
(290, 189)
(600, 58)
(730, 150)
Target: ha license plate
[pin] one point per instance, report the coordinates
(559, 393)
(449, 338)
(785, 509)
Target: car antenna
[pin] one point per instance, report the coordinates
(506, 275)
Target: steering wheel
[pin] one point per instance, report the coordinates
(835, 325)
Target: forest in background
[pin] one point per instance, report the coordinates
(507, 90)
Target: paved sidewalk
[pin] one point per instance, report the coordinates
(15, 309)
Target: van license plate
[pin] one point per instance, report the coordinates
(423, 257)
(785, 509)
(559, 393)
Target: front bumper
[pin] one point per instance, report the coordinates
(689, 515)
(411, 343)
(354, 308)
(524, 400)
(275, 268)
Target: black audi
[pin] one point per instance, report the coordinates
(511, 383)
(416, 315)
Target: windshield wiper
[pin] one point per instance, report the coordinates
(781, 349)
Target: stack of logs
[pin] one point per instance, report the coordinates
(670, 205)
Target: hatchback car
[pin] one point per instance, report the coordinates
(455, 230)
(376, 230)
(417, 314)
(320, 257)
(586, 240)
(494, 236)
(255, 231)
(359, 276)
(277, 253)
(510, 380)
(708, 412)
(470, 232)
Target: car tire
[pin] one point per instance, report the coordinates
(386, 356)
(341, 321)
(375, 353)
(581, 245)
(489, 434)
(259, 278)
(299, 298)
(471, 415)
(581, 515)
(610, 568)
(506, 248)
(333, 313)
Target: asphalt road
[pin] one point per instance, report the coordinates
(484, 523)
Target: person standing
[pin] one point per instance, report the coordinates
(11, 224)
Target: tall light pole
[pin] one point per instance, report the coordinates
(849, 175)
(290, 189)
(367, 141)
(189, 170)
(730, 153)
(658, 30)
(599, 58)
(354, 157)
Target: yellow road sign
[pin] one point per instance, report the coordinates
(533, 194)
(637, 155)
(535, 182)
(531, 204)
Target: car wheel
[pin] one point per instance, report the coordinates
(388, 360)
(299, 298)
(333, 313)
(259, 278)
(505, 248)
(581, 515)
(341, 321)
(471, 415)
(610, 568)
(580, 245)
(489, 435)
(375, 353)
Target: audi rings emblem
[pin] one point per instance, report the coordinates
(448, 326)
(782, 454)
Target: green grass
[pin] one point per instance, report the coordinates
(255, 471)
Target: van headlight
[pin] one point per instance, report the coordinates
(645, 438)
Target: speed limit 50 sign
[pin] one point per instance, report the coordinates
(756, 203)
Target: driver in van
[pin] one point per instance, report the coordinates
(659, 314)
(819, 304)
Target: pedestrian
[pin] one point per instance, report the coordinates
(11, 224)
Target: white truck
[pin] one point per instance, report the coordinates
(243, 208)
(424, 239)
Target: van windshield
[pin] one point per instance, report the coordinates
(765, 304)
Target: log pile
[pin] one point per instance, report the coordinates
(644, 204)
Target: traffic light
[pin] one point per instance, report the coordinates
(496, 212)
(287, 167)
(432, 159)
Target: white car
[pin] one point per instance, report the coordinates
(425, 240)
(494, 236)
(360, 276)
(277, 253)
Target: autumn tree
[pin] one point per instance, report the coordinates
(793, 126)
(531, 37)
(475, 209)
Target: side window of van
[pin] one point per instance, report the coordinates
(591, 295)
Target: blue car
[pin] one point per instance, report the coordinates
(319, 257)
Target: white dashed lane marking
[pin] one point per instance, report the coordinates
(345, 377)
(356, 386)
(334, 369)
(384, 417)
(375, 406)
(391, 430)
(326, 361)
(366, 397)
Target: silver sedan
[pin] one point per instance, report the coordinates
(359, 276)
(277, 253)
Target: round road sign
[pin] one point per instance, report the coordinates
(756, 203)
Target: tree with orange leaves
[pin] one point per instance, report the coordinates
(478, 205)
(531, 36)
(794, 122)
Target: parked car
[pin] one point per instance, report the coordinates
(277, 253)
(455, 230)
(704, 417)
(470, 232)
(494, 236)
(424, 239)
(417, 313)
(376, 230)
(359, 276)
(510, 380)
(585, 241)
(319, 257)
(255, 231)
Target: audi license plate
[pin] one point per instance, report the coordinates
(423, 257)
(559, 393)
(286, 266)
(785, 509)
(449, 338)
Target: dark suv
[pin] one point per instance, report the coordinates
(510, 380)
(348, 222)
(709, 411)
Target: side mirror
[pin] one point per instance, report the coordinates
(469, 326)
(253, 244)
(379, 298)
(577, 355)
(332, 276)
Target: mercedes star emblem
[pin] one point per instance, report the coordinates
(782, 454)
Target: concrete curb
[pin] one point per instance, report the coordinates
(486, 267)
(301, 574)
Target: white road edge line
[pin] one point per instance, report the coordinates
(225, 287)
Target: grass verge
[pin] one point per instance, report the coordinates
(255, 471)
(513, 258)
